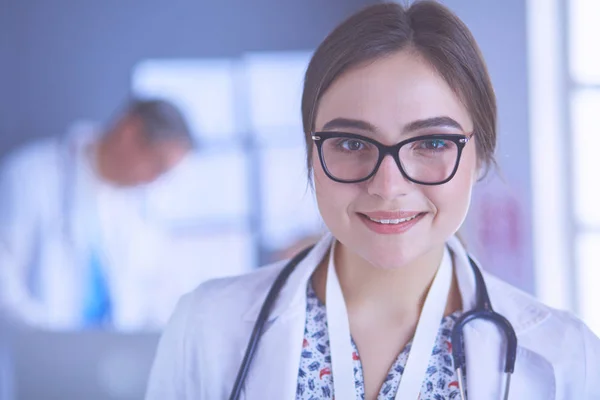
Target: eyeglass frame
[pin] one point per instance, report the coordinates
(460, 140)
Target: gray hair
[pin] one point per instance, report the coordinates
(161, 119)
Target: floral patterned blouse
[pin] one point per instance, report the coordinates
(315, 380)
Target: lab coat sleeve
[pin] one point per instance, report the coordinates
(592, 363)
(168, 375)
(19, 220)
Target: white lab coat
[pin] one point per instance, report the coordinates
(201, 350)
(48, 200)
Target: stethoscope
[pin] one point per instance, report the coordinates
(482, 310)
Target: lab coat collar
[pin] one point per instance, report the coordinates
(484, 345)
(294, 290)
(522, 316)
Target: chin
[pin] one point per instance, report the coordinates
(393, 259)
(388, 254)
(393, 252)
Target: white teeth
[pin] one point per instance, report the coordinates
(393, 221)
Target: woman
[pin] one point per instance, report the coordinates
(400, 121)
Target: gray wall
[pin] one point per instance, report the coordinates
(8, 56)
(75, 57)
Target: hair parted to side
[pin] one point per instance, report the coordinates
(429, 29)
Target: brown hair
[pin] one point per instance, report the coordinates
(426, 27)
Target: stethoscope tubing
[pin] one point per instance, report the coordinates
(263, 316)
(482, 310)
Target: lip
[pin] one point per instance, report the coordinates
(390, 229)
(390, 214)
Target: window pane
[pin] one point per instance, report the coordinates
(274, 84)
(584, 33)
(209, 188)
(203, 89)
(588, 259)
(586, 156)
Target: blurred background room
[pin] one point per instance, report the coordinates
(147, 146)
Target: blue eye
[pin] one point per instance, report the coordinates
(352, 145)
(433, 144)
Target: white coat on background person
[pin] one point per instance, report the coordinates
(62, 200)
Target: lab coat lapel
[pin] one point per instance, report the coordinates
(274, 370)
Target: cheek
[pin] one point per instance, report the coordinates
(452, 200)
(333, 198)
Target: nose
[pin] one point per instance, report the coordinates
(388, 183)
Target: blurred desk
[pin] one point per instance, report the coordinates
(90, 365)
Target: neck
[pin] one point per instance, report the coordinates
(379, 292)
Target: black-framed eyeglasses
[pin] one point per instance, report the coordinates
(426, 160)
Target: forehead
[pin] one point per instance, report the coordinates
(390, 93)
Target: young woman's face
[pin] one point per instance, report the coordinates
(391, 100)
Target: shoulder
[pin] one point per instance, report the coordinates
(524, 310)
(36, 156)
(41, 148)
(233, 295)
(29, 171)
(527, 313)
(557, 335)
(206, 334)
(519, 307)
(230, 306)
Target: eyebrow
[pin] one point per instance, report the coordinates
(435, 122)
(345, 123)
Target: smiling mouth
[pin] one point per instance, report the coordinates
(394, 221)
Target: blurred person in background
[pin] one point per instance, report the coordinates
(77, 248)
